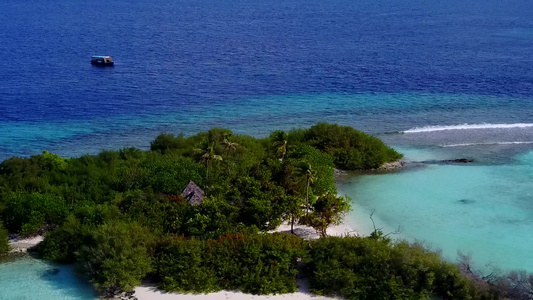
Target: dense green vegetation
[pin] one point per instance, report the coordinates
(87, 205)
(118, 256)
(350, 148)
(375, 268)
(248, 181)
(120, 216)
(258, 264)
(4, 241)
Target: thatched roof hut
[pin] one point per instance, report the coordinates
(193, 194)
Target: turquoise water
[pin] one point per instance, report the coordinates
(31, 279)
(482, 210)
(376, 113)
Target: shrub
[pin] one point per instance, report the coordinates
(4, 241)
(50, 162)
(166, 141)
(258, 203)
(256, 263)
(351, 149)
(26, 213)
(180, 266)
(327, 210)
(62, 244)
(375, 268)
(170, 175)
(96, 214)
(21, 174)
(118, 256)
(163, 215)
(210, 219)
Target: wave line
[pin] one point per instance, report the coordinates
(483, 144)
(467, 127)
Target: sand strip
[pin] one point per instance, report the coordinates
(150, 293)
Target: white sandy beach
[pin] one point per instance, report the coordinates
(151, 293)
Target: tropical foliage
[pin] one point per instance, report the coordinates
(117, 257)
(120, 216)
(375, 268)
(327, 210)
(257, 264)
(4, 241)
(350, 148)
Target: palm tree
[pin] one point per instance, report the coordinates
(228, 145)
(207, 154)
(280, 139)
(305, 172)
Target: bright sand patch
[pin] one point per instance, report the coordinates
(150, 293)
(309, 233)
(21, 245)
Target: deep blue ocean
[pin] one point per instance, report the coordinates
(436, 79)
(184, 66)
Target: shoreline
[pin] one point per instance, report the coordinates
(152, 293)
(385, 168)
(392, 166)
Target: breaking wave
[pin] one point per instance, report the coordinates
(467, 127)
(481, 144)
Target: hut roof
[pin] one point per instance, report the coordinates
(193, 193)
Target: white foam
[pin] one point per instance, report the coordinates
(467, 127)
(482, 144)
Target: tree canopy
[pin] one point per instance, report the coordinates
(120, 217)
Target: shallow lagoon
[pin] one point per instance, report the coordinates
(30, 278)
(482, 210)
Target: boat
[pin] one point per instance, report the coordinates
(102, 61)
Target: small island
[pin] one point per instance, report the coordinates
(197, 215)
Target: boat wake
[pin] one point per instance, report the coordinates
(467, 127)
(486, 144)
